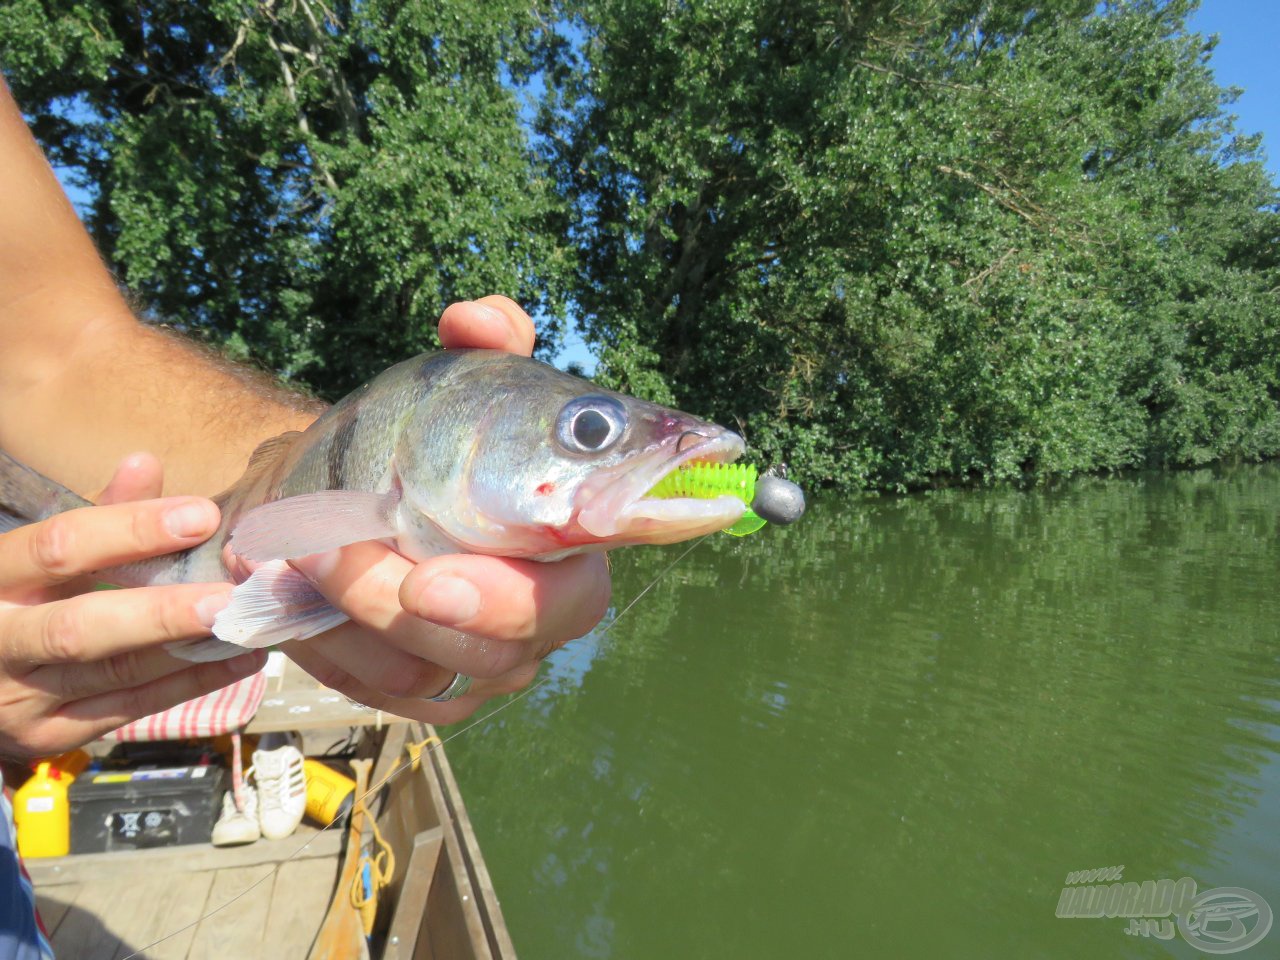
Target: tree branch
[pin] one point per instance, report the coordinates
(346, 101)
(303, 124)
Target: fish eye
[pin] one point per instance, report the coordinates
(591, 424)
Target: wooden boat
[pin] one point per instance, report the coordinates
(292, 898)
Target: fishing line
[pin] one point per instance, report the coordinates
(400, 768)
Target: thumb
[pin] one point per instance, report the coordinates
(138, 476)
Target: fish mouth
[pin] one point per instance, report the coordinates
(615, 505)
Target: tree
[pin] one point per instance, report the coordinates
(896, 242)
(307, 184)
(903, 242)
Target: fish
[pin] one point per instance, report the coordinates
(460, 451)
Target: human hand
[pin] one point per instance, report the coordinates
(413, 627)
(74, 664)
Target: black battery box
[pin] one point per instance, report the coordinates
(145, 807)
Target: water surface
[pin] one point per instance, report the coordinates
(893, 729)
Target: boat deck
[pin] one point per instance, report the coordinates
(108, 906)
(272, 898)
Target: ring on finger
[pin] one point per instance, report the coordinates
(459, 685)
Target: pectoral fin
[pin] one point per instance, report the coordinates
(313, 523)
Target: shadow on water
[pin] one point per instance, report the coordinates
(893, 729)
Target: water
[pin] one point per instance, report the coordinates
(892, 730)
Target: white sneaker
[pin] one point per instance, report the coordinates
(237, 826)
(282, 790)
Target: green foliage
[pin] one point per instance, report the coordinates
(904, 242)
(307, 184)
(897, 242)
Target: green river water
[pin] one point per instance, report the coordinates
(893, 729)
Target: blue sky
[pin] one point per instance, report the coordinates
(1248, 56)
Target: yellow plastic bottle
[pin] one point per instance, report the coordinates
(42, 815)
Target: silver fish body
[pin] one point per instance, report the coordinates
(471, 451)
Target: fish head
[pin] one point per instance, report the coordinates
(551, 464)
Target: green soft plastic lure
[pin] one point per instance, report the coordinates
(706, 481)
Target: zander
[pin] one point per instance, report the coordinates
(471, 451)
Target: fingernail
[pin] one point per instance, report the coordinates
(448, 601)
(318, 566)
(492, 316)
(208, 609)
(191, 520)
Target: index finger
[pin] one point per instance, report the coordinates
(539, 606)
(81, 541)
(510, 599)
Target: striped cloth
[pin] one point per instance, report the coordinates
(223, 711)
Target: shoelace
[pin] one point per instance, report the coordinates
(283, 778)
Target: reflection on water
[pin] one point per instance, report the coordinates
(893, 729)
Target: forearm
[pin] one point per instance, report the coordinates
(82, 383)
(123, 387)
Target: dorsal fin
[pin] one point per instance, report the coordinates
(264, 458)
(268, 452)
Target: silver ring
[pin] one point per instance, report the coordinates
(459, 685)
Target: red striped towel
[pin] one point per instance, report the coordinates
(223, 711)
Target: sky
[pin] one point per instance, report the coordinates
(1248, 56)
